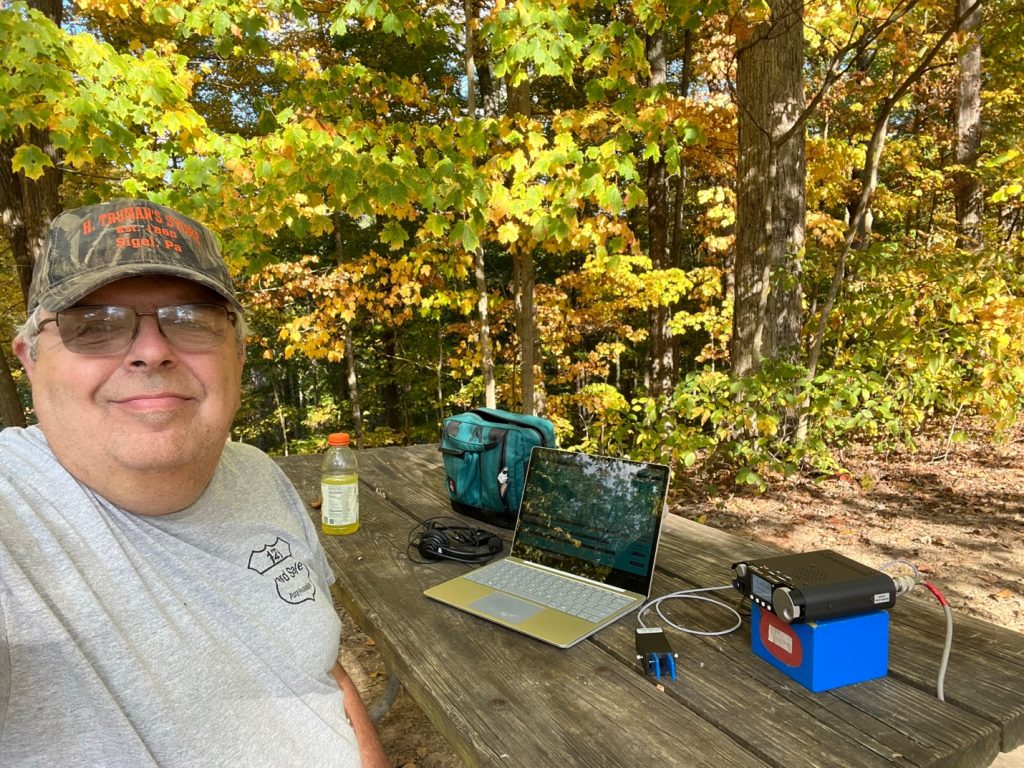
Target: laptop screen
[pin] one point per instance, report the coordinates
(593, 516)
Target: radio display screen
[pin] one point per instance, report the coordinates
(760, 588)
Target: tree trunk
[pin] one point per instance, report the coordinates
(281, 420)
(767, 313)
(519, 103)
(26, 209)
(523, 276)
(484, 335)
(966, 184)
(11, 412)
(863, 176)
(439, 373)
(353, 387)
(350, 355)
(391, 394)
(28, 206)
(519, 99)
(485, 85)
(469, 11)
(660, 359)
(679, 208)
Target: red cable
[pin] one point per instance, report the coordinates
(935, 591)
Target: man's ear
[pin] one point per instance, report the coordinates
(21, 348)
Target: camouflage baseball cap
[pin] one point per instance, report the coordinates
(86, 248)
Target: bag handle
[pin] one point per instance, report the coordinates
(466, 447)
(511, 418)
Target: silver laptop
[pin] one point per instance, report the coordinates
(583, 551)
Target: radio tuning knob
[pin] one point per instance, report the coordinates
(740, 570)
(783, 605)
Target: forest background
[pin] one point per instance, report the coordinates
(734, 235)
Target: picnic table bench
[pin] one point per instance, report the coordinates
(503, 699)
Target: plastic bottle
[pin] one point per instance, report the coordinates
(339, 487)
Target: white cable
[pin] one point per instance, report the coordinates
(945, 650)
(902, 587)
(910, 565)
(691, 594)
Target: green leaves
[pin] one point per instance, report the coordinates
(344, 174)
(393, 234)
(531, 38)
(95, 104)
(31, 160)
(463, 235)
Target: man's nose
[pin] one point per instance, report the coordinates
(150, 346)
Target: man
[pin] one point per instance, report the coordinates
(164, 599)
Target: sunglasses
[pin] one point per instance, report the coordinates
(109, 330)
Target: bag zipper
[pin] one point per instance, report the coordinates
(504, 468)
(497, 420)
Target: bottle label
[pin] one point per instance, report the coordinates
(340, 505)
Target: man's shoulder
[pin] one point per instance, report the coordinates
(22, 444)
(244, 460)
(15, 435)
(248, 475)
(245, 454)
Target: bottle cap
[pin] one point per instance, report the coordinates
(338, 438)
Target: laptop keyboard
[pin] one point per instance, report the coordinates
(586, 601)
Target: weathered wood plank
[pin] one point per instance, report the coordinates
(491, 719)
(733, 708)
(724, 682)
(986, 668)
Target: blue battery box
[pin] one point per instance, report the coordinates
(824, 654)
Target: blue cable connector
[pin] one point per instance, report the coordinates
(654, 653)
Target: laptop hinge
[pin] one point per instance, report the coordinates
(573, 576)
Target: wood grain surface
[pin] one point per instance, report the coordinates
(502, 698)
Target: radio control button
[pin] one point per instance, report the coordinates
(782, 602)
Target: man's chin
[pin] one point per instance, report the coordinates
(158, 442)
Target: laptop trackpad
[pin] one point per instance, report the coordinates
(505, 607)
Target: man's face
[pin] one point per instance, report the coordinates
(152, 408)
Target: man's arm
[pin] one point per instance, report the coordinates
(370, 748)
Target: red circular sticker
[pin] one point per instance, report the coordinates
(780, 640)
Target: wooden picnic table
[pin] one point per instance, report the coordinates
(503, 699)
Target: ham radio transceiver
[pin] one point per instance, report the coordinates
(816, 585)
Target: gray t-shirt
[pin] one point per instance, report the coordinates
(200, 638)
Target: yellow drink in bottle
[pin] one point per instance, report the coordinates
(339, 487)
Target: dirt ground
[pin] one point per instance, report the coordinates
(954, 510)
(410, 739)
